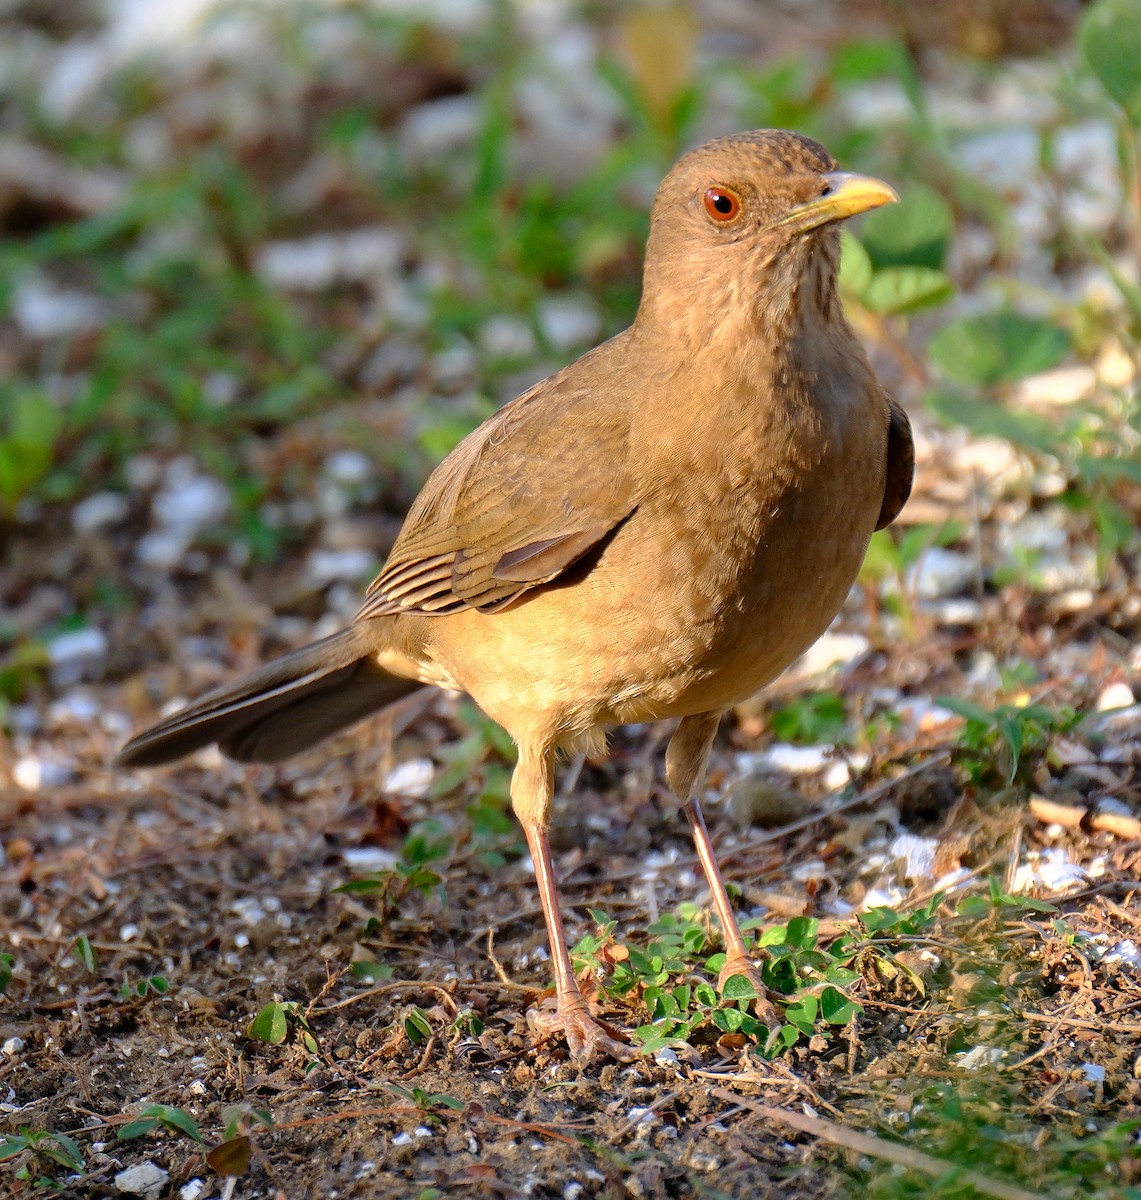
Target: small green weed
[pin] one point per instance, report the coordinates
(152, 1117)
(995, 741)
(150, 985)
(40, 1154)
(426, 843)
(281, 1021)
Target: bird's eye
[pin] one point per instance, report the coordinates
(826, 190)
(722, 204)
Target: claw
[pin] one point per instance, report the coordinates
(585, 1034)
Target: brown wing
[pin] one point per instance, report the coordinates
(517, 501)
(900, 465)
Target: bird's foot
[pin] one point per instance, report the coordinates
(586, 1035)
(762, 1006)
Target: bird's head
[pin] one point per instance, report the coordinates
(747, 220)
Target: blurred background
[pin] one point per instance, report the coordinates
(263, 264)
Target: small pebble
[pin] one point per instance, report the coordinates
(12, 1046)
(981, 1056)
(39, 775)
(79, 645)
(94, 512)
(192, 1189)
(146, 1179)
(1094, 1072)
(915, 855)
(410, 778)
(1117, 695)
(940, 573)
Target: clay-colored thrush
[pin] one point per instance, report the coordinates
(657, 530)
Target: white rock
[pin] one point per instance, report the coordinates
(1062, 385)
(502, 336)
(829, 650)
(147, 1179)
(96, 511)
(940, 572)
(348, 466)
(1037, 532)
(924, 713)
(1050, 870)
(981, 1056)
(370, 858)
(568, 321)
(39, 775)
(411, 778)
(1094, 1072)
(402, 1139)
(1117, 696)
(12, 1046)
(43, 311)
(1005, 158)
(192, 1189)
(958, 610)
(128, 932)
(78, 708)
(352, 563)
(316, 263)
(249, 909)
(884, 896)
(79, 645)
(440, 128)
(77, 72)
(188, 502)
(782, 756)
(814, 868)
(455, 364)
(162, 549)
(1124, 953)
(915, 856)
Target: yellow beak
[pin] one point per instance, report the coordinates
(845, 195)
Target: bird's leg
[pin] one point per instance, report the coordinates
(532, 786)
(686, 759)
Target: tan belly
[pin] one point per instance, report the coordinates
(681, 614)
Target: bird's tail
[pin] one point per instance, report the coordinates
(285, 707)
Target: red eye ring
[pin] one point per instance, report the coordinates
(722, 204)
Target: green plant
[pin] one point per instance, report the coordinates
(152, 1117)
(41, 1152)
(150, 985)
(811, 718)
(997, 739)
(427, 843)
(281, 1021)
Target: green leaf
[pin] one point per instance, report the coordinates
(987, 418)
(176, 1118)
(913, 233)
(738, 987)
(836, 1008)
(803, 1013)
(1110, 38)
(998, 347)
(10, 1147)
(271, 1024)
(138, 1128)
(83, 951)
(894, 291)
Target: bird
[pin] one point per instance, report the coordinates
(654, 532)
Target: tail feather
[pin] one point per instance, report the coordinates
(285, 707)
